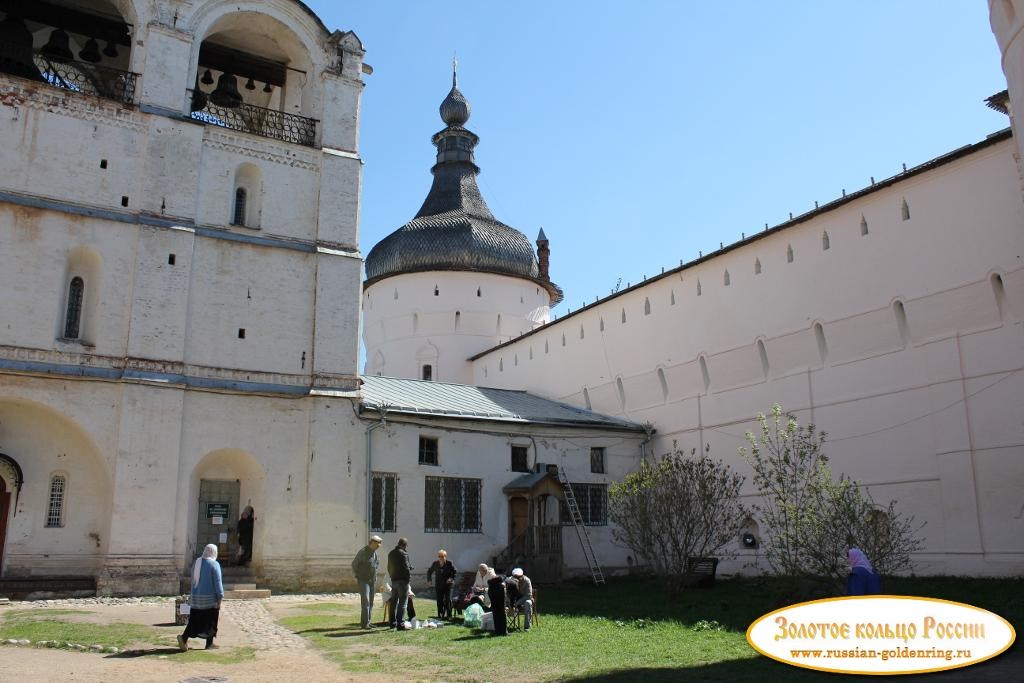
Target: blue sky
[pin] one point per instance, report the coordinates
(638, 134)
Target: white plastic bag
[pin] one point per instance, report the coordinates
(487, 622)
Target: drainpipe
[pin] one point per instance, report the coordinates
(648, 435)
(369, 468)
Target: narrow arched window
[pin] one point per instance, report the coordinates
(762, 352)
(622, 392)
(705, 375)
(901, 321)
(238, 215)
(55, 509)
(825, 241)
(757, 266)
(905, 211)
(73, 319)
(698, 288)
(819, 336)
(726, 279)
(999, 291)
(428, 373)
(863, 226)
(663, 381)
(647, 306)
(789, 253)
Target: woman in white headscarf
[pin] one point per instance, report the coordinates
(207, 593)
(862, 579)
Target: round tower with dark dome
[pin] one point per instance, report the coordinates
(453, 281)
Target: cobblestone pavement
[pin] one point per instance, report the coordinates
(253, 619)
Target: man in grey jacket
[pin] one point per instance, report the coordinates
(364, 567)
(525, 601)
(400, 571)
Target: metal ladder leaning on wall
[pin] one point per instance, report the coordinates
(581, 529)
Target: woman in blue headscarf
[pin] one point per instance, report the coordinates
(207, 593)
(863, 579)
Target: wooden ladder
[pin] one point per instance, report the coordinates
(581, 528)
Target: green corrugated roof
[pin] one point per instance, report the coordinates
(459, 400)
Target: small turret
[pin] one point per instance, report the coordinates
(543, 256)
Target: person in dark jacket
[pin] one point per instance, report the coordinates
(443, 571)
(862, 579)
(400, 571)
(364, 568)
(496, 592)
(245, 529)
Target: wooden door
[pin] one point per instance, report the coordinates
(5, 504)
(519, 514)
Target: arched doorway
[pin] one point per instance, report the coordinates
(224, 482)
(10, 480)
(5, 504)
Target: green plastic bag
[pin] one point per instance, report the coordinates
(473, 616)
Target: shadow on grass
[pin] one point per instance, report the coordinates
(134, 654)
(736, 603)
(169, 623)
(998, 670)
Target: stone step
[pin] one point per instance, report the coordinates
(250, 594)
(239, 585)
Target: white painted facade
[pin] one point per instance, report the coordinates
(442, 318)
(209, 348)
(481, 450)
(893, 321)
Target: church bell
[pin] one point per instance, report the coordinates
(16, 49)
(57, 46)
(226, 94)
(91, 51)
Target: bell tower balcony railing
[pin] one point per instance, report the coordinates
(86, 78)
(268, 123)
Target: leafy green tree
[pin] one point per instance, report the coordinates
(678, 508)
(812, 517)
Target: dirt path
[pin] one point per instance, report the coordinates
(280, 654)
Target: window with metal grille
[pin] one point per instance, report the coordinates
(55, 511)
(73, 319)
(451, 505)
(597, 460)
(238, 216)
(384, 502)
(428, 450)
(592, 500)
(520, 459)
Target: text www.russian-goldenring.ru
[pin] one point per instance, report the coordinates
(884, 655)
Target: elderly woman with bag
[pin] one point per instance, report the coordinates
(207, 593)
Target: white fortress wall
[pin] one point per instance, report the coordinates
(903, 343)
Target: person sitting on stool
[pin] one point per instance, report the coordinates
(525, 600)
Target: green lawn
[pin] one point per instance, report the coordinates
(624, 631)
(45, 624)
(52, 625)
